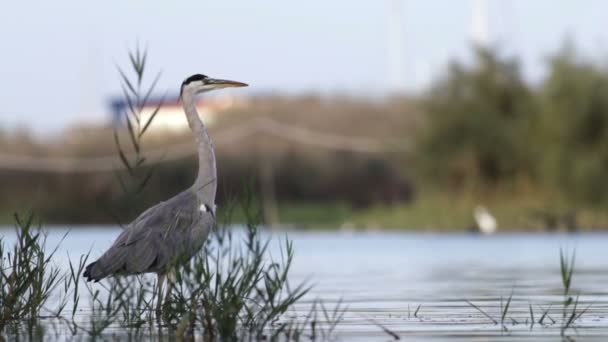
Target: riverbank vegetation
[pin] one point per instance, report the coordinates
(235, 289)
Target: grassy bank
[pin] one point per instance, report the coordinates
(440, 212)
(436, 212)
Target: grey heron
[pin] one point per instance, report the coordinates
(176, 229)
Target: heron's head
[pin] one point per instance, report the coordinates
(198, 83)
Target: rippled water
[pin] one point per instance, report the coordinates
(384, 277)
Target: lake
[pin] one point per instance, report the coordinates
(420, 285)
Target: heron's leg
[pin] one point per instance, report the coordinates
(159, 291)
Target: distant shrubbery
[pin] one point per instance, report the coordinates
(479, 124)
(574, 123)
(488, 129)
(321, 177)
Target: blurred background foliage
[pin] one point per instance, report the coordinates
(480, 124)
(489, 130)
(535, 154)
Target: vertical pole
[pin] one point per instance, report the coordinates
(270, 210)
(479, 23)
(396, 59)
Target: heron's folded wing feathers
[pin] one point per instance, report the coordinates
(152, 240)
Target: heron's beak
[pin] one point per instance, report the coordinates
(217, 83)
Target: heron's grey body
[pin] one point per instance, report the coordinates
(161, 236)
(174, 230)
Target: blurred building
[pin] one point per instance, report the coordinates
(170, 118)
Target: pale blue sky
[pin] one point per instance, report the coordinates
(57, 57)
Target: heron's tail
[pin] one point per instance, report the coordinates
(111, 262)
(92, 273)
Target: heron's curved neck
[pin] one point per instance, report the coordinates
(206, 182)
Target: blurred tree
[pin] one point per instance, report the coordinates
(574, 122)
(478, 127)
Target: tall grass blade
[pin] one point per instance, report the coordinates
(385, 329)
(482, 312)
(126, 81)
(506, 309)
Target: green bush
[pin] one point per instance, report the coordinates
(574, 99)
(479, 121)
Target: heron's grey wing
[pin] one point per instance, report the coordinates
(159, 235)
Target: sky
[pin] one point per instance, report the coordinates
(58, 58)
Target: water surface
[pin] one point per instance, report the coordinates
(385, 277)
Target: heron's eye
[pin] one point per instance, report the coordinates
(204, 208)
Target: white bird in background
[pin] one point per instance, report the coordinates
(486, 223)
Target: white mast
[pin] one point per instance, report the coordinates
(396, 59)
(479, 23)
